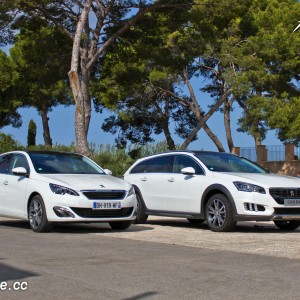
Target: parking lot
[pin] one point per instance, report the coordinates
(162, 259)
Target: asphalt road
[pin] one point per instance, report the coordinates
(163, 259)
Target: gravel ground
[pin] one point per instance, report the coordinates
(262, 238)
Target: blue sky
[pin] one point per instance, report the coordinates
(61, 121)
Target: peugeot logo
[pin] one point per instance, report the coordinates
(292, 193)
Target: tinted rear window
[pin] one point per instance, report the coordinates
(160, 164)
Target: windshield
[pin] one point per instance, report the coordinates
(225, 162)
(63, 163)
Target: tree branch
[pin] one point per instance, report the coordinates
(205, 118)
(192, 94)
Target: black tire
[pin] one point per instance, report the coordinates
(287, 225)
(196, 221)
(219, 214)
(141, 217)
(120, 225)
(37, 215)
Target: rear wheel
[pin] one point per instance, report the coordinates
(141, 217)
(37, 215)
(196, 221)
(287, 225)
(120, 225)
(219, 214)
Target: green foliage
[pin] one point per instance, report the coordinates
(41, 58)
(31, 133)
(284, 115)
(8, 143)
(55, 147)
(8, 106)
(270, 64)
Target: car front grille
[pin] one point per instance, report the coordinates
(279, 194)
(105, 195)
(107, 213)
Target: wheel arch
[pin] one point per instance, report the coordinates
(213, 190)
(30, 198)
(137, 191)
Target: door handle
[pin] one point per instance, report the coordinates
(144, 179)
(5, 182)
(171, 179)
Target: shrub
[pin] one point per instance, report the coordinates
(8, 143)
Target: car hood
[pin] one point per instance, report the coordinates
(266, 180)
(87, 181)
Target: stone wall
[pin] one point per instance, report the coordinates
(291, 168)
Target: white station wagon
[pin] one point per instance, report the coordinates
(219, 188)
(47, 187)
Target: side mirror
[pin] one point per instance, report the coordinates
(21, 171)
(188, 171)
(107, 171)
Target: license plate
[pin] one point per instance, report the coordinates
(107, 205)
(292, 202)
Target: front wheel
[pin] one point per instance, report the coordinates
(37, 215)
(287, 225)
(219, 214)
(120, 225)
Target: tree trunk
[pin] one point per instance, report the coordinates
(81, 118)
(214, 138)
(227, 108)
(46, 130)
(79, 84)
(169, 139)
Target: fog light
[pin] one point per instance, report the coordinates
(254, 207)
(63, 212)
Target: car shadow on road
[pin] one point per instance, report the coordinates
(81, 228)
(245, 227)
(15, 224)
(75, 228)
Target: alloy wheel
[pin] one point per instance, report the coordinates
(35, 214)
(216, 213)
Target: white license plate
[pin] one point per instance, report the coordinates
(292, 202)
(107, 205)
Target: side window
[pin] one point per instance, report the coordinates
(183, 161)
(161, 164)
(141, 167)
(5, 163)
(19, 160)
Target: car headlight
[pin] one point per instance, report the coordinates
(248, 187)
(131, 192)
(62, 190)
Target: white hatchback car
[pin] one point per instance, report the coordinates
(219, 188)
(46, 187)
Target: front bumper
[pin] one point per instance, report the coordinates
(262, 207)
(79, 209)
